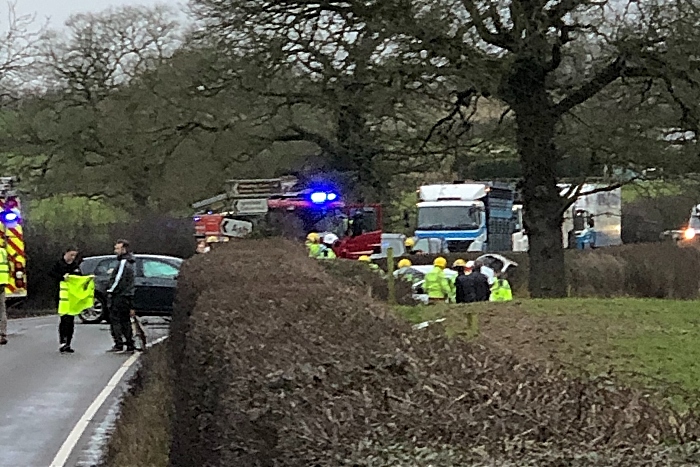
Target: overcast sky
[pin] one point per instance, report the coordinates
(60, 10)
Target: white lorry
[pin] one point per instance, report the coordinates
(592, 221)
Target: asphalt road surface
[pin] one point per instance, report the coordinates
(44, 394)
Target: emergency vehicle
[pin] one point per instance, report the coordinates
(12, 238)
(287, 205)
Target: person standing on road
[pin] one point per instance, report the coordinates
(4, 280)
(121, 293)
(67, 265)
(473, 287)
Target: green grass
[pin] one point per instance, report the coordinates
(651, 342)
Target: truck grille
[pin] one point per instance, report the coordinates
(459, 246)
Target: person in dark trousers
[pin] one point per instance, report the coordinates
(121, 294)
(473, 287)
(67, 265)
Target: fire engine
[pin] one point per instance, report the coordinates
(12, 238)
(290, 207)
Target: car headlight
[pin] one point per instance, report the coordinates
(689, 233)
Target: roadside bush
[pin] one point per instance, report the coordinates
(296, 371)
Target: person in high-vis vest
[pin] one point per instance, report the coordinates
(459, 266)
(4, 280)
(373, 267)
(404, 271)
(77, 293)
(313, 244)
(436, 284)
(500, 290)
(326, 249)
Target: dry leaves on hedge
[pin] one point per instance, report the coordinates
(279, 364)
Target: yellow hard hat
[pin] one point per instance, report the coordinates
(409, 242)
(212, 239)
(440, 262)
(405, 263)
(313, 237)
(365, 259)
(460, 263)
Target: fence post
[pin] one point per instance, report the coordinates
(390, 272)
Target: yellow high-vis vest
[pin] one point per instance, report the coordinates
(4, 268)
(76, 295)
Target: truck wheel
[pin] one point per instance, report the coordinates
(96, 314)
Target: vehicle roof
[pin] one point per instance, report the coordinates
(138, 255)
(449, 203)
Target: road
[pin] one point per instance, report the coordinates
(44, 394)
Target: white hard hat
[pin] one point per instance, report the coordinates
(470, 264)
(330, 239)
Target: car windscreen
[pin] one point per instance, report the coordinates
(449, 218)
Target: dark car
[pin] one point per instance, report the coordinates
(155, 281)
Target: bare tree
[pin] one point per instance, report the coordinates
(103, 51)
(548, 61)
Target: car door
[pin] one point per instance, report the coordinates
(102, 273)
(156, 281)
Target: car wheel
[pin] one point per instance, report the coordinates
(96, 314)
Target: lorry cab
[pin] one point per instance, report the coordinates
(474, 216)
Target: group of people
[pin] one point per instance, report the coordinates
(321, 247)
(469, 285)
(120, 297)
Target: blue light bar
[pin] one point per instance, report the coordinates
(332, 196)
(9, 217)
(319, 197)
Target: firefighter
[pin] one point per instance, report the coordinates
(313, 244)
(459, 266)
(121, 292)
(404, 271)
(500, 290)
(409, 243)
(326, 249)
(4, 280)
(373, 267)
(436, 284)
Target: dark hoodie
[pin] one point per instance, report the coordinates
(122, 279)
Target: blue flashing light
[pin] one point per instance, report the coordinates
(332, 196)
(197, 218)
(9, 217)
(319, 197)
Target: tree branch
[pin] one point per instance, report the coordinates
(605, 77)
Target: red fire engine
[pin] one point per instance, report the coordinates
(286, 206)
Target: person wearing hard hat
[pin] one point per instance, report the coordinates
(409, 243)
(436, 284)
(500, 289)
(472, 287)
(368, 261)
(313, 244)
(404, 271)
(459, 266)
(326, 249)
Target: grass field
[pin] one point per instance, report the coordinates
(655, 343)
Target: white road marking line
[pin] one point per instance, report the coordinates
(77, 432)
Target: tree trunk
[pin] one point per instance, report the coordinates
(536, 126)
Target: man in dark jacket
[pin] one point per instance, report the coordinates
(67, 265)
(473, 287)
(121, 293)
